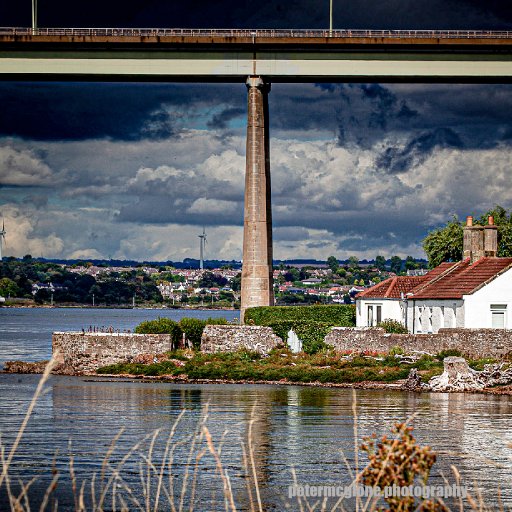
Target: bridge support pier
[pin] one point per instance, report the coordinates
(257, 283)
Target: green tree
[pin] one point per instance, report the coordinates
(444, 244)
(380, 262)
(236, 282)
(161, 326)
(353, 262)
(333, 264)
(193, 328)
(210, 280)
(292, 274)
(396, 264)
(503, 220)
(8, 288)
(410, 263)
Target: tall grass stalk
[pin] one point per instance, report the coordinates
(6, 464)
(170, 481)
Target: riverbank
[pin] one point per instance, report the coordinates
(280, 367)
(171, 379)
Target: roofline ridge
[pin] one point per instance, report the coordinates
(492, 278)
(365, 292)
(390, 287)
(442, 275)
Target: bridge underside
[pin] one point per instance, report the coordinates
(275, 66)
(210, 56)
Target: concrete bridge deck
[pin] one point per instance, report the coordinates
(232, 55)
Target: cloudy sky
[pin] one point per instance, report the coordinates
(90, 170)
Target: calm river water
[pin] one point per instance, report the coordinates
(309, 430)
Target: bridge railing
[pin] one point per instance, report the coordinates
(247, 33)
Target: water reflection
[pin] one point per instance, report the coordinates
(309, 429)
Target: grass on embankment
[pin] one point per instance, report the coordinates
(281, 364)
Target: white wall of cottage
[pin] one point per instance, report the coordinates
(425, 316)
(391, 309)
(495, 297)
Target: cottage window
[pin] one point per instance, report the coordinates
(429, 314)
(420, 311)
(374, 315)
(498, 316)
(454, 315)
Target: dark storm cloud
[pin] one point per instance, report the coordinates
(79, 111)
(363, 230)
(222, 119)
(290, 234)
(36, 200)
(164, 210)
(364, 113)
(396, 160)
(367, 112)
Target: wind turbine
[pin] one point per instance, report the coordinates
(202, 243)
(2, 238)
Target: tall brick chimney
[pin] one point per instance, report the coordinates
(491, 239)
(473, 245)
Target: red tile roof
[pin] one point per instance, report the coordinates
(446, 281)
(461, 278)
(392, 288)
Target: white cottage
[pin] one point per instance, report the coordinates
(385, 300)
(473, 293)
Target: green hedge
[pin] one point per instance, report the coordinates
(192, 327)
(343, 315)
(310, 323)
(160, 326)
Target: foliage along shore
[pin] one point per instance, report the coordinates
(280, 367)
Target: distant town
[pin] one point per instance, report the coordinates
(36, 281)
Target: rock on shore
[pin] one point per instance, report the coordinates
(23, 367)
(458, 376)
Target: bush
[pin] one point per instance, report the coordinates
(449, 353)
(393, 326)
(343, 315)
(399, 461)
(161, 326)
(396, 351)
(193, 329)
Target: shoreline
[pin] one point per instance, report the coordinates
(505, 390)
(79, 306)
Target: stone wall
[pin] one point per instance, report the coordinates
(472, 343)
(82, 353)
(225, 338)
